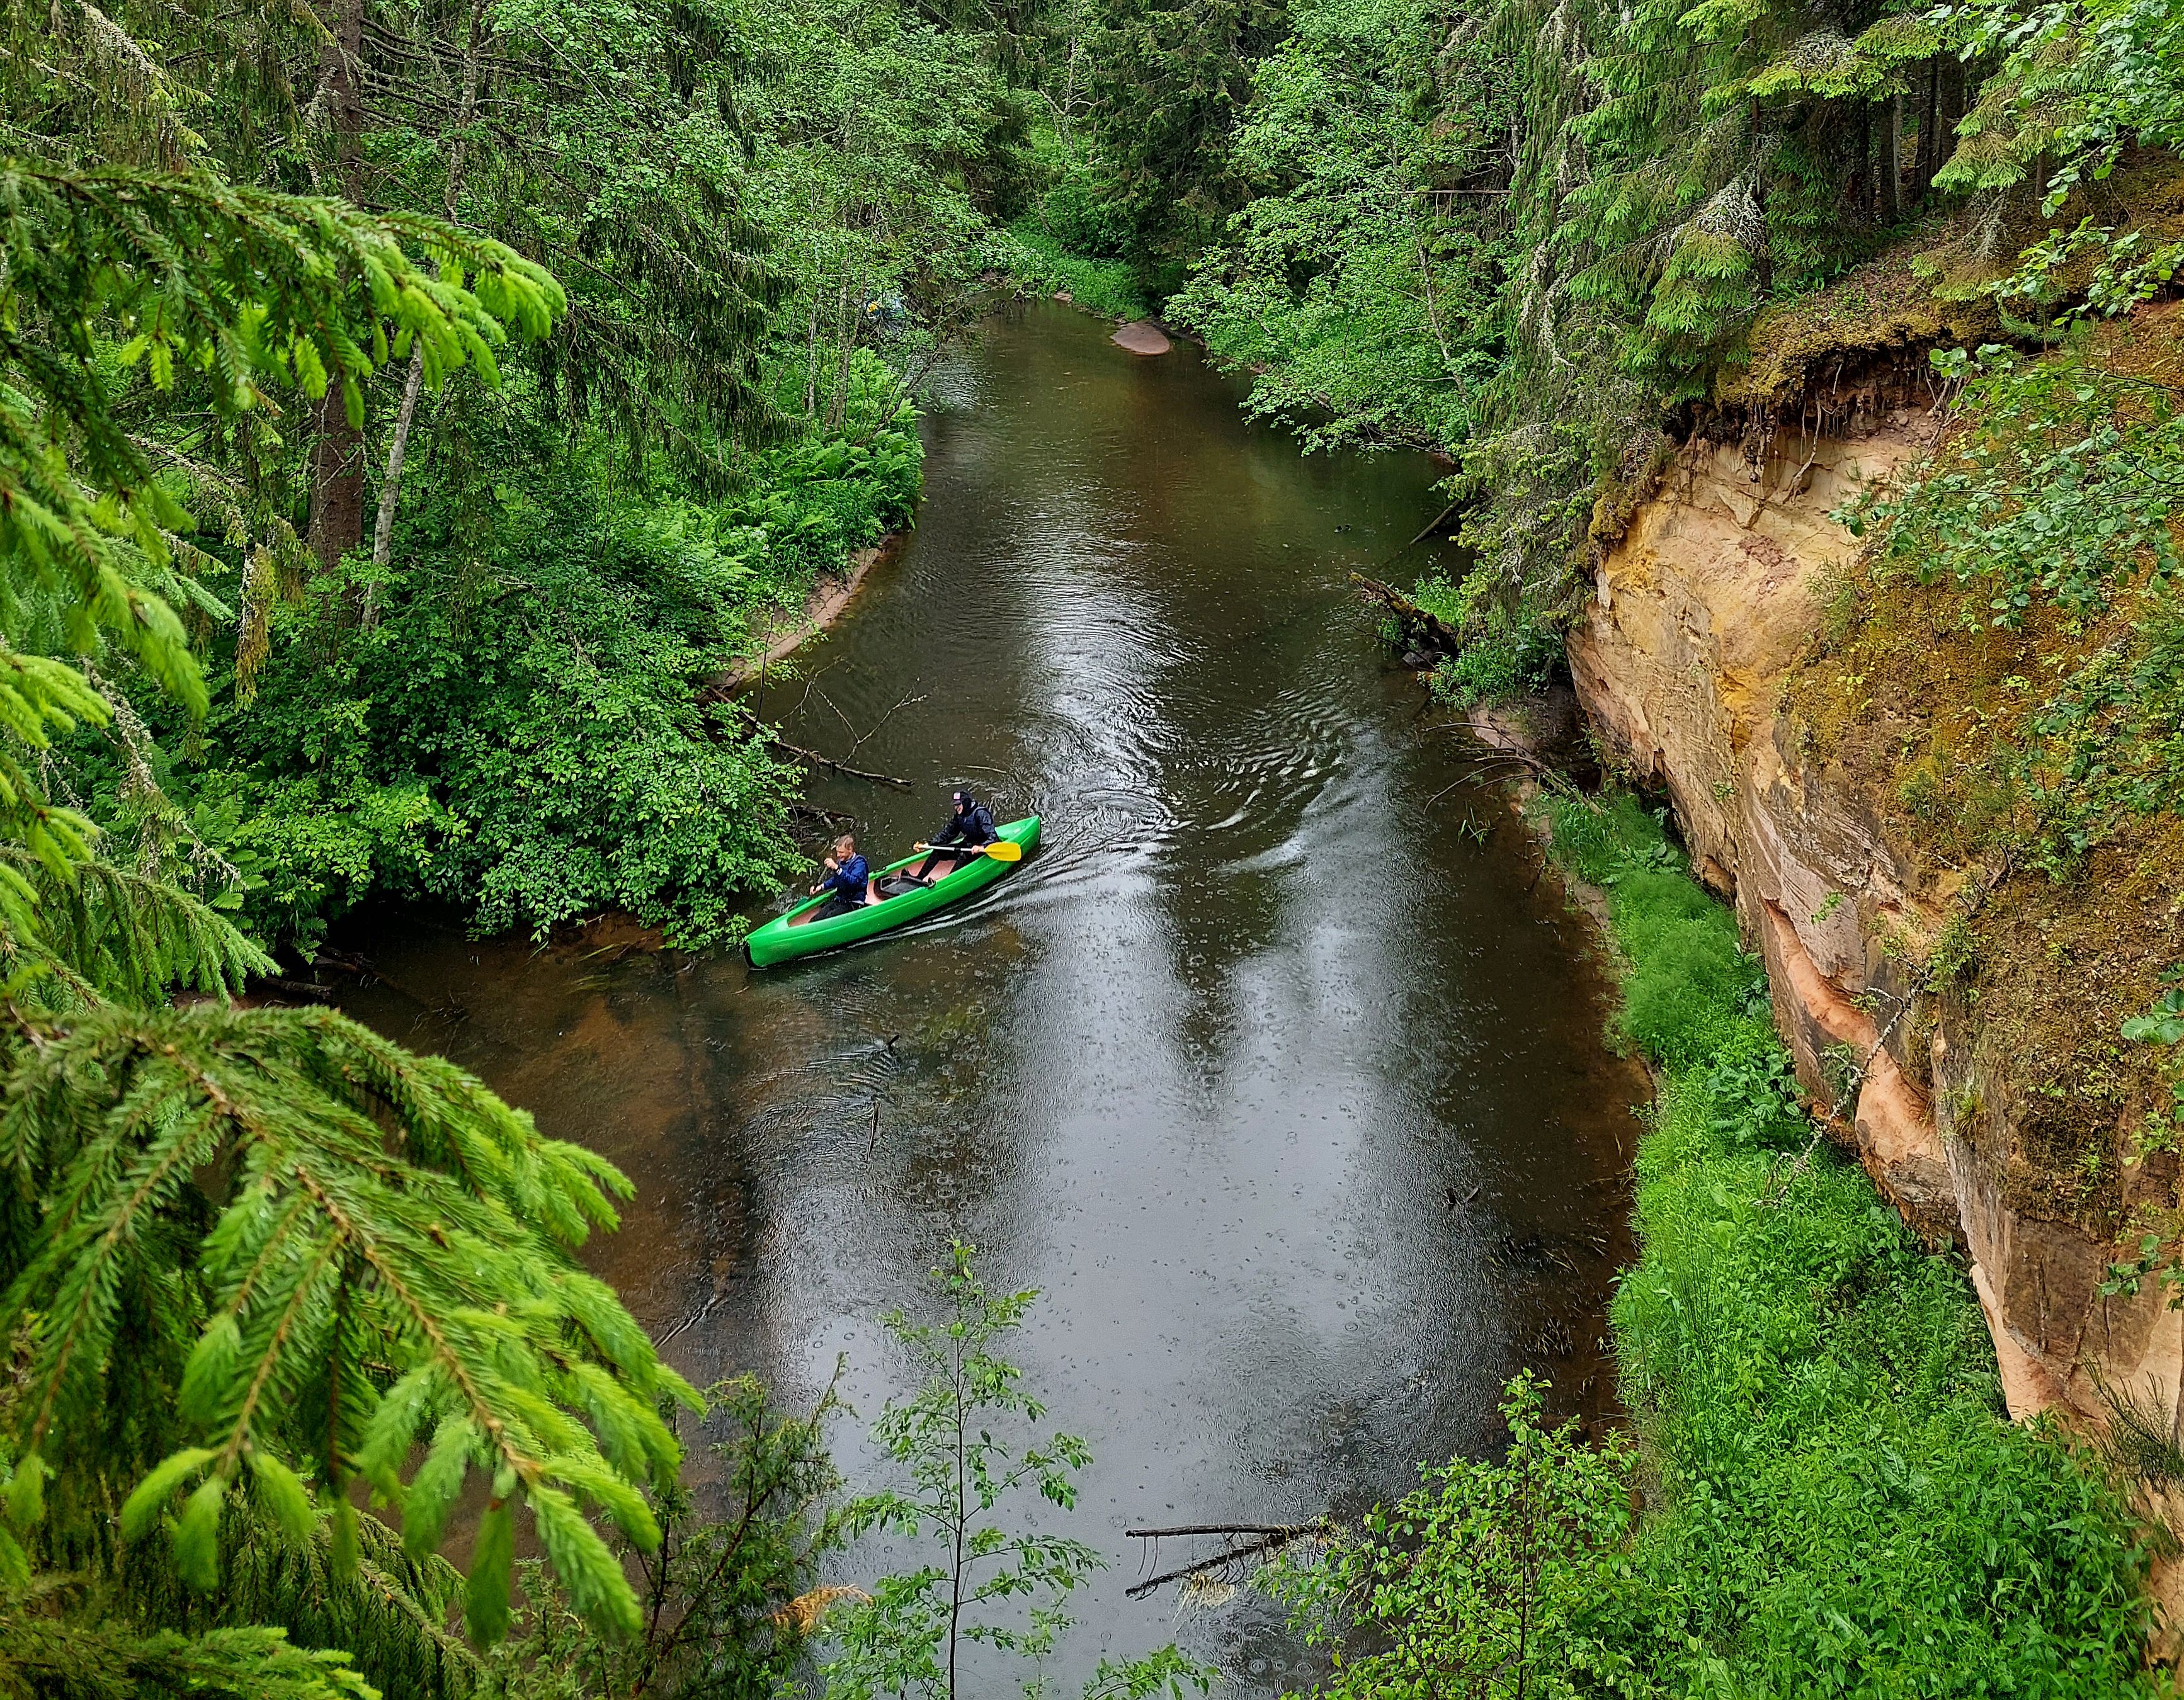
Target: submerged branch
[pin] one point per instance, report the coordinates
(834, 766)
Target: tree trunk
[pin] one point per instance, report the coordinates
(390, 486)
(1930, 132)
(811, 346)
(1891, 161)
(837, 409)
(398, 447)
(338, 447)
(1862, 198)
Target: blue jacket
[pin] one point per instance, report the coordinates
(850, 879)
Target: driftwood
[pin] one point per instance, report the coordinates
(1422, 632)
(1273, 1536)
(1435, 524)
(1222, 1528)
(304, 989)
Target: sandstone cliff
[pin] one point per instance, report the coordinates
(1703, 613)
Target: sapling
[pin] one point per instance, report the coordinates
(968, 1442)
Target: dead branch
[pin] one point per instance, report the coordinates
(1276, 1537)
(298, 988)
(903, 703)
(1222, 1528)
(1435, 524)
(1421, 629)
(834, 766)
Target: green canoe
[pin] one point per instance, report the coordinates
(791, 936)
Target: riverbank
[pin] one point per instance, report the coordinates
(1837, 1501)
(825, 603)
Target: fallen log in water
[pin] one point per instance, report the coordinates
(1423, 633)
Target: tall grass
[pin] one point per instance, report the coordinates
(1037, 260)
(1840, 1505)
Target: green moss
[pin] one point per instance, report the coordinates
(1999, 679)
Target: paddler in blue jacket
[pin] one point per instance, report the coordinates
(848, 878)
(970, 826)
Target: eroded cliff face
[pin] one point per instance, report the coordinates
(1701, 612)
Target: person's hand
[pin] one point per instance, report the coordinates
(921, 845)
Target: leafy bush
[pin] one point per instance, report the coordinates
(1041, 263)
(1519, 659)
(2050, 508)
(1845, 1507)
(522, 732)
(1486, 1575)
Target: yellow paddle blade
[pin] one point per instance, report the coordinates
(1001, 850)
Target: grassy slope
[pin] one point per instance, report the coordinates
(1841, 1506)
(1039, 261)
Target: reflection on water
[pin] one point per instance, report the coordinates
(1289, 1095)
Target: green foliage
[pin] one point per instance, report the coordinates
(355, 1289)
(2055, 499)
(1359, 298)
(1478, 1581)
(886, 151)
(770, 219)
(1167, 78)
(231, 295)
(727, 1598)
(2059, 490)
(266, 1275)
(1041, 263)
(987, 1585)
(2163, 1026)
(49, 1657)
(1506, 656)
(530, 742)
(1844, 1507)
(2080, 79)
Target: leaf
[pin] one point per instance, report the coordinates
(14, 1563)
(343, 1559)
(26, 1493)
(286, 1499)
(433, 1490)
(208, 1377)
(197, 1537)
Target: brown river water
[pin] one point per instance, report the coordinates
(1286, 1088)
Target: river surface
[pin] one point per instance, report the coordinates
(1277, 1071)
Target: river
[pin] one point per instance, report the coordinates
(1278, 1069)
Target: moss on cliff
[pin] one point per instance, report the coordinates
(2030, 725)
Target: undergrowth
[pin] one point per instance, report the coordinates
(1039, 262)
(524, 732)
(1998, 679)
(1842, 1505)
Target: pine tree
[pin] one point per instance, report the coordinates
(253, 1258)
